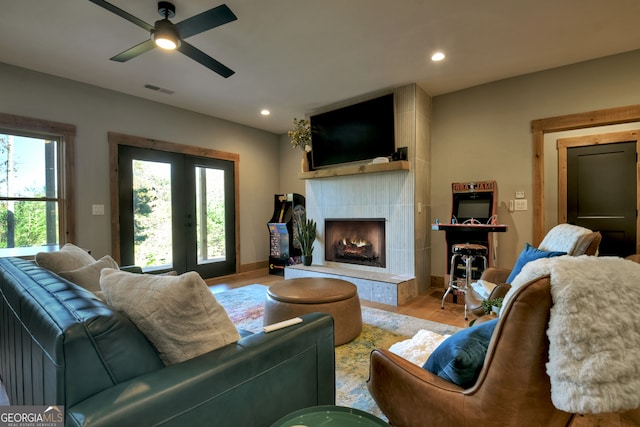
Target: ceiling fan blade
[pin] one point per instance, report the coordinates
(204, 59)
(131, 53)
(121, 13)
(205, 21)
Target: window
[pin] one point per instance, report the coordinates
(36, 199)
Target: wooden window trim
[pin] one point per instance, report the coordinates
(66, 133)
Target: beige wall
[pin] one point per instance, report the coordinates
(290, 159)
(477, 134)
(484, 133)
(96, 111)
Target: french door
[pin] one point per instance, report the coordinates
(176, 211)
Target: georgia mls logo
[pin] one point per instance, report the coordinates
(32, 416)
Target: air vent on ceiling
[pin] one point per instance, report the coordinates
(159, 89)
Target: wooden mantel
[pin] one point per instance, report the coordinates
(356, 170)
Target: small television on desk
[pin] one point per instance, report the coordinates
(476, 206)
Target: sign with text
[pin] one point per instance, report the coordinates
(31, 416)
(470, 187)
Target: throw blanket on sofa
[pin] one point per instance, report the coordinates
(594, 331)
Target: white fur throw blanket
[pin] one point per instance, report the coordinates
(594, 331)
(418, 349)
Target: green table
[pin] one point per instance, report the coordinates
(328, 415)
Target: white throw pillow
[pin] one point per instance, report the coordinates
(89, 276)
(178, 314)
(70, 257)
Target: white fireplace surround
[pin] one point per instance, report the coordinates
(382, 195)
(401, 197)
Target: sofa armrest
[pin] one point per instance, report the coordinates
(131, 268)
(253, 382)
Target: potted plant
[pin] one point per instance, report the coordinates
(492, 305)
(300, 136)
(304, 236)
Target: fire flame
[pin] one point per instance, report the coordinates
(358, 243)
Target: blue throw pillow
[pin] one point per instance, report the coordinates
(529, 253)
(460, 357)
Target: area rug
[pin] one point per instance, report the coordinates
(380, 329)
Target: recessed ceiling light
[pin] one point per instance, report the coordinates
(265, 112)
(438, 56)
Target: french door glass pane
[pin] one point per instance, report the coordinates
(210, 214)
(152, 228)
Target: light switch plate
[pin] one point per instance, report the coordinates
(519, 194)
(521, 204)
(97, 209)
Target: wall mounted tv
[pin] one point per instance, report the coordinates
(354, 133)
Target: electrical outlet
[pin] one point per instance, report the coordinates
(520, 205)
(97, 209)
(519, 194)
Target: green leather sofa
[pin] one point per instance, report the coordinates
(61, 345)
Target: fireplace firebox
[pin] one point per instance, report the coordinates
(355, 241)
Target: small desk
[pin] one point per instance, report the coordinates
(470, 233)
(484, 228)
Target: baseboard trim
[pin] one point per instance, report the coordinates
(255, 269)
(245, 268)
(437, 282)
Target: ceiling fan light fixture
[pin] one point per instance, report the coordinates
(164, 35)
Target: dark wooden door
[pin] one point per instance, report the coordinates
(601, 193)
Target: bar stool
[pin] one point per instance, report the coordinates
(468, 252)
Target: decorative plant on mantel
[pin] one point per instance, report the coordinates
(300, 136)
(304, 234)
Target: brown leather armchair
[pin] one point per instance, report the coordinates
(513, 388)
(581, 244)
(634, 258)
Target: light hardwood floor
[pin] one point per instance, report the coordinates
(425, 307)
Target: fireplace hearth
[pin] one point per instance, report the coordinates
(355, 241)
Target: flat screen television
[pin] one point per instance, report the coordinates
(354, 133)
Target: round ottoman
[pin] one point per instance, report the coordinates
(293, 297)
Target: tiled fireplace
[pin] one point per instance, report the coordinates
(399, 199)
(383, 198)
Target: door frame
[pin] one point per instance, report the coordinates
(590, 140)
(539, 127)
(117, 139)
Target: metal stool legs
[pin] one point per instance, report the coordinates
(453, 279)
(453, 284)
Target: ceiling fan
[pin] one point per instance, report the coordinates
(168, 35)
